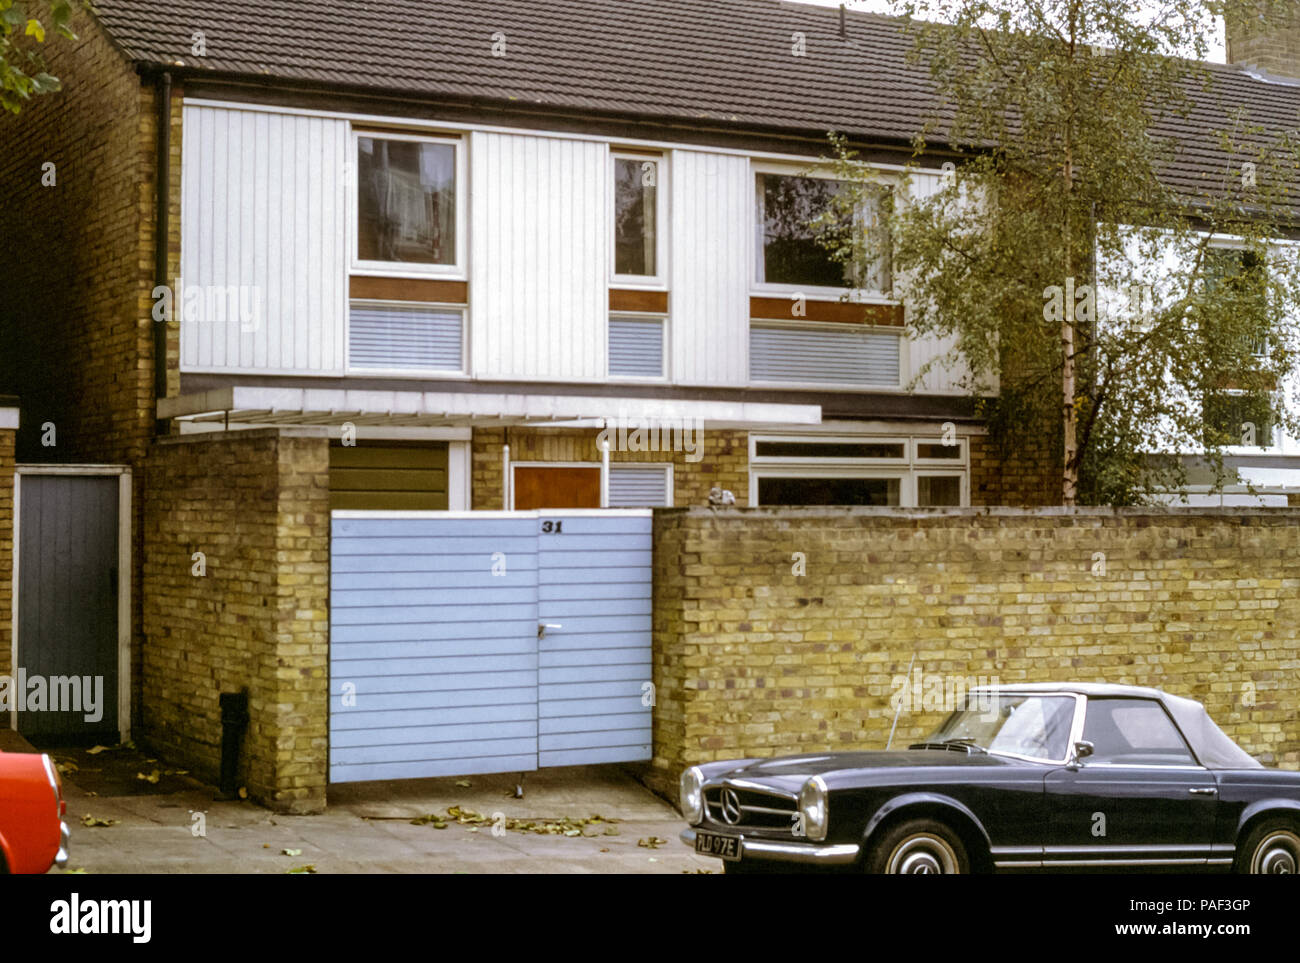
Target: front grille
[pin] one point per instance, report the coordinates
(758, 810)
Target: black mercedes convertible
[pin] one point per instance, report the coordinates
(1029, 777)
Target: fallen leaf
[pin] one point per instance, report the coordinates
(96, 750)
(90, 821)
(651, 842)
(79, 871)
(291, 852)
(309, 868)
(153, 776)
(463, 783)
(243, 793)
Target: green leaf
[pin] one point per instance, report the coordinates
(34, 29)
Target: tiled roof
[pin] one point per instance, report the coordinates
(704, 61)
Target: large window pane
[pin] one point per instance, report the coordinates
(938, 491)
(406, 201)
(635, 231)
(793, 250)
(829, 491)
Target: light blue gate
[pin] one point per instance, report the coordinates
(465, 643)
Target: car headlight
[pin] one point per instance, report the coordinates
(692, 787)
(812, 807)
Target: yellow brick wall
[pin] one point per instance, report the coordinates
(256, 504)
(723, 461)
(751, 658)
(76, 342)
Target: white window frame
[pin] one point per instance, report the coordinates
(766, 289)
(400, 372)
(920, 471)
(665, 466)
(403, 269)
(664, 376)
(906, 491)
(907, 468)
(962, 461)
(659, 281)
(902, 461)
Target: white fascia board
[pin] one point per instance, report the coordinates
(9, 418)
(468, 405)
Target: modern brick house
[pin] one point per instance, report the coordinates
(420, 257)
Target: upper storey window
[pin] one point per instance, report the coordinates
(795, 251)
(638, 215)
(409, 203)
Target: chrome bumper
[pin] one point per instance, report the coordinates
(61, 858)
(817, 854)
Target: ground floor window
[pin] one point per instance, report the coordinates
(907, 470)
(829, 491)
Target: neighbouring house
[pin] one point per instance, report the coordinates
(281, 261)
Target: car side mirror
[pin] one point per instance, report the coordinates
(1082, 750)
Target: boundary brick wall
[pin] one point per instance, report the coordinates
(256, 503)
(751, 659)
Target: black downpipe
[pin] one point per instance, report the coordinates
(234, 722)
(162, 228)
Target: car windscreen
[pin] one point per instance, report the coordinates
(1019, 725)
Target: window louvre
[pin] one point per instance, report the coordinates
(405, 336)
(823, 355)
(636, 347)
(638, 486)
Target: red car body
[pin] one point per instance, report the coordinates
(33, 835)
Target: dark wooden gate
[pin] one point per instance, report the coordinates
(68, 606)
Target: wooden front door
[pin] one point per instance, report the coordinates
(559, 487)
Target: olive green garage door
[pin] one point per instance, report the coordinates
(388, 476)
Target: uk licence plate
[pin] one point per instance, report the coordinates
(715, 844)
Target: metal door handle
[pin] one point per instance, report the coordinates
(1203, 792)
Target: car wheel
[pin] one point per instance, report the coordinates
(1271, 848)
(918, 846)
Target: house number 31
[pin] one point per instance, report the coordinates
(552, 528)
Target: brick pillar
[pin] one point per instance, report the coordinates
(254, 616)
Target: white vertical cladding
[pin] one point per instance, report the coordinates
(264, 210)
(539, 238)
(948, 371)
(711, 223)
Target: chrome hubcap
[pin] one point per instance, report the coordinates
(923, 853)
(1278, 854)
